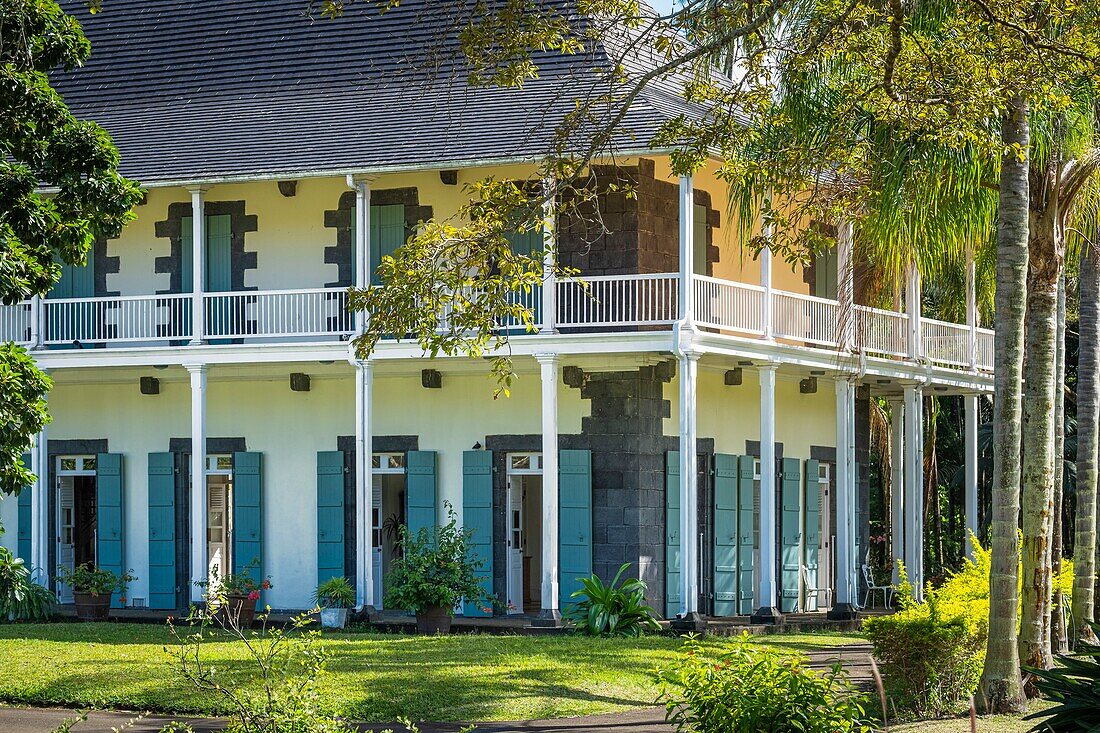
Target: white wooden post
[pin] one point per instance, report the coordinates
(687, 253)
(971, 483)
(361, 278)
(40, 537)
(364, 490)
(897, 484)
(913, 312)
(914, 487)
(198, 479)
(549, 257)
(198, 267)
(846, 285)
(766, 605)
(972, 310)
(766, 280)
(689, 489)
(846, 560)
(36, 331)
(550, 367)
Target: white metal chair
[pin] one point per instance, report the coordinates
(869, 594)
(808, 584)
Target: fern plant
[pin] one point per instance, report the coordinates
(20, 598)
(1074, 686)
(615, 609)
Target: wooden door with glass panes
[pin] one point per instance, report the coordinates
(219, 516)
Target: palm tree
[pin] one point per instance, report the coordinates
(1059, 642)
(1088, 418)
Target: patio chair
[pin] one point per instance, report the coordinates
(869, 595)
(808, 583)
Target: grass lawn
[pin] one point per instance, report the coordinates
(373, 677)
(989, 724)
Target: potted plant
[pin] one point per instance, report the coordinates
(235, 594)
(434, 574)
(93, 588)
(335, 596)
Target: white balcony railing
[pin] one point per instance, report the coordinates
(120, 319)
(15, 322)
(278, 313)
(619, 300)
(600, 302)
(946, 343)
(728, 305)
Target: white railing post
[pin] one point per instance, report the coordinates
(687, 253)
(361, 277)
(846, 285)
(198, 479)
(913, 312)
(549, 256)
(550, 368)
(198, 264)
(972, 309)
(36, 322)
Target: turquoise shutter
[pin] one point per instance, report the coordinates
(699, 266)
(672, 533)
(248, 515)
(725, 535)
(330, 515)
(187, 255)
(420, 490)
(477, 516)
(387, 233)
(527, 244)
(790, 523)
(574, 521)
(23, 520)
(746, 491)
(110, 520)
(812, 533)
(162, 530)
(219, 253)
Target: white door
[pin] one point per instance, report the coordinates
(217, 529)
(376, 544)
(515, 544)
(66, 547)
(825, 555)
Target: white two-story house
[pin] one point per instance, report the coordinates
(689, 408)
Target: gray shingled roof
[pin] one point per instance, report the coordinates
(195, 91)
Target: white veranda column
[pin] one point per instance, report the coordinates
(198, 264)
(550, 367)
(846, 560)
(689, 488)
(914, 487)
(687, 252)
(846, 285)
(970, 437)
(549, 258)
(40, 537)
(198, 479)
(897, 484)
(364, 493)
(766, 283)
(361, 276)
(766, 604)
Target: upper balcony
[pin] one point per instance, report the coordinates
(591, 304)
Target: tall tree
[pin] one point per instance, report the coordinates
(1088, 419)
(44, 146)
(1059, 641)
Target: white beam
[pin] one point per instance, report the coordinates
(364, 456)
(198, 264)
(914, 487)
(689, 486)
(970, 436)
(687, 252)
(913, 311)
(36, 330)
(897, 485)
(550, 367)
(766, 605)
(198, 480)
(549, 257)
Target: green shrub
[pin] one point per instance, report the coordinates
(1074, 687)
(335, 592)
(20, 598)
(757, 690)
(612, 610)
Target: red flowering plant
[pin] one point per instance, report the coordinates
(236, 584)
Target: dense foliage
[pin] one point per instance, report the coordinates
(42, 144)
(1074, 687)
(747, 689)
(615, 609)
(21, 598)
(94, 580)
(437, 568)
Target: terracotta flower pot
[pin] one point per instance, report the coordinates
(434, 621)
(90, 607)
(239, 611)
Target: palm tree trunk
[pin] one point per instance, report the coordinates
(1088, 419)
(1059, 642)
(1045, 268)
(1001, 688)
